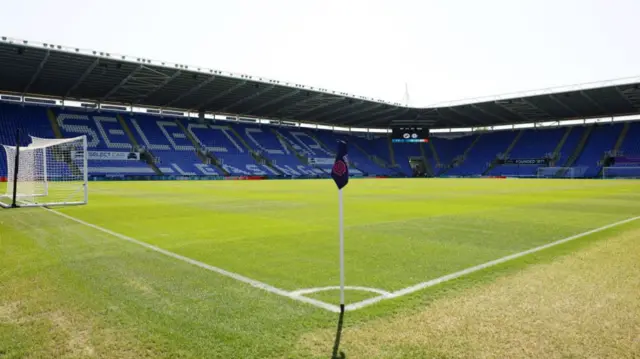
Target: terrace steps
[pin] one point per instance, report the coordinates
(506, 152)
(464, 155)
(204, 156)
(146, 155)
(286, 142)
(435, 153)
(375, 159)
(578, 150)
(54, 123)
(391, 152)
(556, 151)
(622, 137)
(427, 164)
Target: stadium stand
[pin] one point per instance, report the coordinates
(450, 148)
(485, 150)
(146, 145)
(631, 143)
(601, 140)
(162, 141)
(532, 144)
(268, 146)
(104, 136)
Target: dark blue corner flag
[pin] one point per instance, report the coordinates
(340, 171)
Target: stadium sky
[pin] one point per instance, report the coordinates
(444, 49)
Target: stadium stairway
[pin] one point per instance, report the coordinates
(616, 147)
(577, 151)
(392, 156)
(505, 154)
(104, 134)
(483, 153)
(602, 139)
(324, 147)
(205, 156)
(427, 163)
(54, 123)
(560, 145)
(372, 158)
(169, 145)
(459, 160)
(275, 150)
(580, 147)
(404, 154)
(534, 143)
(621, 137)
(317, 148)
(363, 151)
(448, 149)
(258, 158)
(435, 154)
(630, 146)
(145, 155)
(377, 146)
(222, 145)
(631, 143)
(55, 126)
(290, 147)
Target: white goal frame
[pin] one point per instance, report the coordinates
(618, 168)
(565, 172)
(51, 172)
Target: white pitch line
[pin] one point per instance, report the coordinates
(301, 292)
(448, 277)
(238, 277)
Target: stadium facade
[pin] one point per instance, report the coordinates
(151, 119)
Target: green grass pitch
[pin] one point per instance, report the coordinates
(63, 282)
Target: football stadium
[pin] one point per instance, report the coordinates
(160, 210)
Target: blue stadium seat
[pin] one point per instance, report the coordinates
(186, 147)
(534, 143)
(602, 139)
(104, 134)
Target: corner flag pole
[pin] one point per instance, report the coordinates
(341, 215)
(340, 175)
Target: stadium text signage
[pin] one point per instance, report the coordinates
(524, 161)
(320, 161)
(111, 156)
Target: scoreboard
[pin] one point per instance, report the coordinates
(409, 135)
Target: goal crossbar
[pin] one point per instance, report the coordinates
(560, 172)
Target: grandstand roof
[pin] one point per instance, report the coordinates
(70, 73)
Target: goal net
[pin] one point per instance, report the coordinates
(47, 172)
(621, 172)
(561, 172)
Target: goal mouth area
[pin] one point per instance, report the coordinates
(22, 204)
(561, 172)
(47, 172)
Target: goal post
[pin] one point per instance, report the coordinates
(560, 172)
(47, 172)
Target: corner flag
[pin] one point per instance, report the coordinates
(340, 170)
(340, 175)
